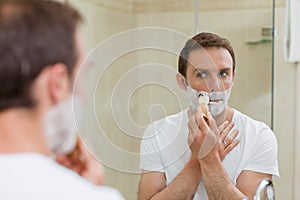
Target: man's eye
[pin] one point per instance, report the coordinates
(223, 74)
(202, 74)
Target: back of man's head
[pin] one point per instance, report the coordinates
(34, 34)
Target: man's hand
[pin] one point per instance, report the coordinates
(204, 136)
(227, 142)
(82, 162)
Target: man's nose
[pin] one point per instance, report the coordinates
(215, 84)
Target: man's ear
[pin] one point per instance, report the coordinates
(59, 82)
(181, 81)
(233, 77)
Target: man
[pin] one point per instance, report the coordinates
(40, 51)
(186, 156)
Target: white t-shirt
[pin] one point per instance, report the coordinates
(164, 148)
(33, 176)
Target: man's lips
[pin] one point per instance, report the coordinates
(215, 100)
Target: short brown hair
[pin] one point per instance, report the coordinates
(203, 40)
(34, 34)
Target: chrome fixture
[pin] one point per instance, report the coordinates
(265, 190)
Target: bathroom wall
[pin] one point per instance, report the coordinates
(251, 92)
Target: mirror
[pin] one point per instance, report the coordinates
(135, 81)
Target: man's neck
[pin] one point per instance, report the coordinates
(21, 131)
(224, 116)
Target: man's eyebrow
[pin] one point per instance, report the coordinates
(225, 69)
(197, 69)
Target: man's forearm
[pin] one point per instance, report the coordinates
(184, 185)
(217, 183)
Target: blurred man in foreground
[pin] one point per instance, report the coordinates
(40, 52)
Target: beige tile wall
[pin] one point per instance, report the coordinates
(251, 93)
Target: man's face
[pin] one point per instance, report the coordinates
(210, 69)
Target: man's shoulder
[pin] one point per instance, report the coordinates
(248, 123)
(58, 182)
(167, 127)
(176, 119)
(81, 185)
(238, 115)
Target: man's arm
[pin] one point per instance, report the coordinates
(219, 186)
(214, 176)
(153, 184)
(253, 178)
(83, 162)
